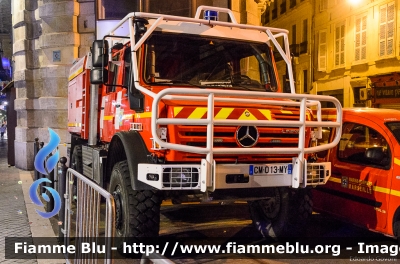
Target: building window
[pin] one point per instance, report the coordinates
(304, 37)
(305, 30)
(294, 49)
(322, 51)
(283, 7)
(294, 33)
(108, 9)
(339, 44)
(361, 38)
(265, 16)
(292, 3)
(305, 81)
(386, 29)
(323, 4)
(275, 10)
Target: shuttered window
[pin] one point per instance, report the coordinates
(322, 51)
(386, 29)
(339, 44)
(360, 52)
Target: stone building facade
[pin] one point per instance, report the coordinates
(48, 35)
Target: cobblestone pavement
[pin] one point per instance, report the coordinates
(14, 220)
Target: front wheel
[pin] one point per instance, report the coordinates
(282, 215)
(137, 212)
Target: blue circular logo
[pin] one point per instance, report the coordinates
(36, 200)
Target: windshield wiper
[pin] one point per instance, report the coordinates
(175, 82)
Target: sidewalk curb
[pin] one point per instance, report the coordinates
(40, 227)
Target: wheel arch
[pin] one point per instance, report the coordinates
(127, 145)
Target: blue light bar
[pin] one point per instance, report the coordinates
(210, 15)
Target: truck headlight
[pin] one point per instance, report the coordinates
(180, 177)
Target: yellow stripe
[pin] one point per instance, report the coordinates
(381, 189)
(198, 113)
(143, 115)
(127, 116)
(76, 73)
(177, 110)
(328, 117)
(286, 112)
(266, 113)
(396, 161)
(224, 113)
(395, 192)
(108, 118)
(74, 124)
(334, 179)
(375, 188)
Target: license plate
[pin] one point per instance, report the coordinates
(270, 169)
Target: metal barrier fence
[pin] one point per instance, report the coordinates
(87, 218)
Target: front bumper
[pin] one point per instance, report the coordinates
(205, 176)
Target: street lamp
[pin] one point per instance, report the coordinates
(354, 2)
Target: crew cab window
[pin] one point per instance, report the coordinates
(363, 145)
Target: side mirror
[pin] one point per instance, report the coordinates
(99, 53)
(98, 74)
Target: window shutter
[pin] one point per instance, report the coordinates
(390, 29)
(342, 33)
(322, 51)
(382, 30)
(360, 52)
(364, 38)
(357, 52)
(337, 45)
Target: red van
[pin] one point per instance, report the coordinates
(365, 184)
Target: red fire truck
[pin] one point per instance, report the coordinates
(192, 109)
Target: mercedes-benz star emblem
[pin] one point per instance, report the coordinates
(247, 136)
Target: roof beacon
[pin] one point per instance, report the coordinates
(211, 15)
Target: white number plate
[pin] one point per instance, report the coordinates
(270, 169)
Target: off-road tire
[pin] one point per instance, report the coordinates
(137, 212)
(283, 215)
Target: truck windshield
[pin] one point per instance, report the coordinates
(395, 129)
(182, 60)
